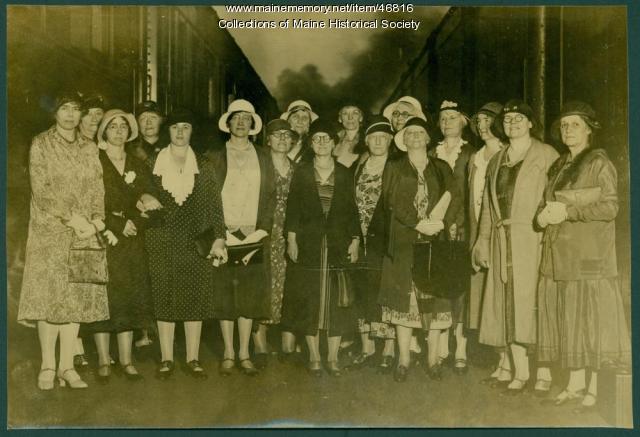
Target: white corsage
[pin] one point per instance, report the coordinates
(129, 177)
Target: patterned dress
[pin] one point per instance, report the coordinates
(278, 245)
(66, 177)
(182, 283)
(413, 318)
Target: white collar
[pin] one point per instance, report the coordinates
(451, 157)
(178, 182)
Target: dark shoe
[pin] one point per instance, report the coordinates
(260, 360)
(400, 374)
(435, 372)
(315, 368)
(515, 391)
(226, 367)
(415, 359)
(361, 360)
(333, 369)
(129, 372)
(386, 364)
(247, 367)
(80, 362)
(195, 370)
(165, 370)
(460, 366)
(103, 374)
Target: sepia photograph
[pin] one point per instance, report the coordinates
(351, 215)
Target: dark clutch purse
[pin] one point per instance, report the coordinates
(246, 254)
(441, 268)
(88, 261)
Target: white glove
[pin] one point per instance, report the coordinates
(111, 237)
(428, 227)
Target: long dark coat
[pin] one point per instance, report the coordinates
(372, 250)
(129, 288)
(301, 302)
(401, 218)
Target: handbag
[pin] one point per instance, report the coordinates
(441, 268)
(346, 293)
(88, 261)
(246, 254)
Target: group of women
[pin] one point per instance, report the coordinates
(325, 229)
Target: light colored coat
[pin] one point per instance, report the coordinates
(525, 246)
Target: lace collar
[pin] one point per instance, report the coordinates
(178, 182)
(452, 157)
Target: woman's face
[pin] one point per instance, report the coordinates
(68, 115)
(378, 143)
(451, 123)
(180, 134)
(300, 121)
(483, 124)
(350, 117)
(322, 144)
(575, 131)
(280, 141)
(516, 125)
(240, 124)
(117, 131)
(415, 137)
(149, 123)
(401, 114)
(90, 121)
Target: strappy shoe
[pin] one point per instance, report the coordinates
(521, 385)
(165, 370)
(125, 370)
(400, 373)
(226, 366)
(103, 378)
(195, 370)
(361, 360)
(80, 361)
(564, 397)
(434, 372)
(460, 366)
(70, 378)
(333, 369)
(315, 368)
(386, 364)
(542, 387)
(44, 381)
(589, 403)
(246, 367)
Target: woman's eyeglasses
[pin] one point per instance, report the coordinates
(513, 118)
(403, 114)
(286, 135)
(321, 139)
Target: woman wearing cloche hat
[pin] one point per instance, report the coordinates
(581, 317)
(300, 116)
(248, 198)
(183, 283)
(129, 194)
(509, 246)
(322, 241)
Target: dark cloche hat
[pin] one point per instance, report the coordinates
(180, 115)
(147, 106)
(379, 123)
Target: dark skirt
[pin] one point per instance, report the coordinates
(366, 280)
(581, 323)
(310, 300)
(243, 291)
(128, 290)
